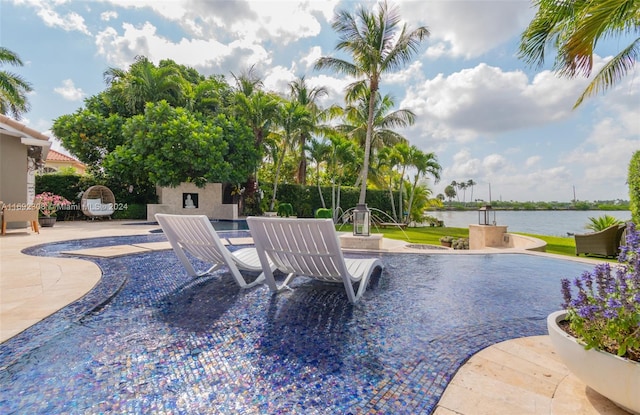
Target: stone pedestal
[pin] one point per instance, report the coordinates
(487, 236)
(373, 241)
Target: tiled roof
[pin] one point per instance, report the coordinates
(57, 156)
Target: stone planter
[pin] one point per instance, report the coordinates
(47, 221)
(611, 376)
(447, 244)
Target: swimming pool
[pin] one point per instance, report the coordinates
(150, 340)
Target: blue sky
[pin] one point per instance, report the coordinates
(485, 114)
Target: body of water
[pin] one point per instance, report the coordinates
(540, 222)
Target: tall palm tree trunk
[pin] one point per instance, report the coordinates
(367, 144)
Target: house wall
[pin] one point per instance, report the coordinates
(13, 170)
(58, 165)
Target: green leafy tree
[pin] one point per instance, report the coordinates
(377, 43)
(13, 87)
(169, 146)
(90, 136)
(574, 28)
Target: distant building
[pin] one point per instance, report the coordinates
(57, 161)
(22, 154)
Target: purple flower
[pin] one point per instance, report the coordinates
(587, 312)
(614, 303)
(610, 313)
(605, 308)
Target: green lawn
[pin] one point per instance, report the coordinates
(431, 236)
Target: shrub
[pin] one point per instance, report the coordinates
(323, 213)
(460, 243)
(603, 222)
(285, 210)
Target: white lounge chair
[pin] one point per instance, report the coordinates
(195, 234)
(308, 247)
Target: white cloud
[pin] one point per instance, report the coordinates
(494, 163)
(70, 22)
(411, 74)
(486, 101)
(208, 56)
(278, 79)
(467, 28)
(283, 21)
(106, 16)
(464, 165)
(311, 57)
(532, 161)
(69, 91)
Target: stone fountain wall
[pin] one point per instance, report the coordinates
(188, 199)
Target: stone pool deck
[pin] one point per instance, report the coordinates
(520, 376)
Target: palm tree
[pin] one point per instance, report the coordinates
(450, 192)
(406, 154)
(384, 122)
(463, 186)
(424, 163)
(306, 97)
(144, 82)
(471, 183)
(319, 152)
(355, 124)
(455, 185)
(292, 118)
(386, 161)
(341, 161)
(574, 28)
(248, 81)
(259, 110)
(377, 44)
(13, 88)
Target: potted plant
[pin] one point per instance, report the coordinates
(446, 241)
(48, 205)
(597, 335)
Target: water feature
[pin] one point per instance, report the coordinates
(540, 222)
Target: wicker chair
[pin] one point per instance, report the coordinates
(20, 213)
(98, 201)
(605, 243)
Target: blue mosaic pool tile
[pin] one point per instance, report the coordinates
(150, 340)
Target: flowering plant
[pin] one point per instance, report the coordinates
(50, 203)
(605, 312)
